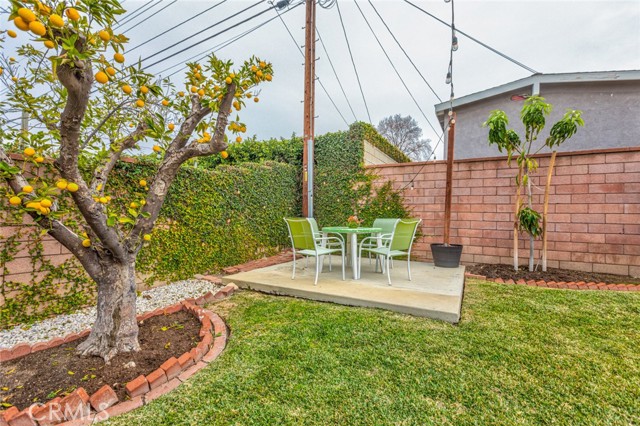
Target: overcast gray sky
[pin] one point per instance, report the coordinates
(548, 36)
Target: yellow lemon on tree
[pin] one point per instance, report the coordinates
(37, 28)
(143, 182)
(268, 77)
(19, 22)
(171, 126)
(111, 71)
(43, 8)
(236, 105)
(194, 89)
(12, 59)
(14, 201)
(72, 187)
(1, 70)
(228, 80)
(139, 103)
(126, 89)
(146, 237)
(49, 44)
(44, 210)
(12, 34)
(201, 92)
(134, 205)
(263, 64)
(39, 159)
(157, 148)
(102, 77)
(259, 74)
(61, 184)
(26, 14)
(144, 89)
(238, 139)
(28, 189)
(56, 21)
(46, 203)
(86, 242)
(29, 152)
(224, 154)
(104, 35)
(33, 205)
(181, 94)
(256, 99)
(119, 58)
(72, 14)
(165, 102)
(104, 200)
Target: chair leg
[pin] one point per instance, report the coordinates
(330, 263)
(343, 262)
(409, 267)
(293, 274)
(306, 259)
(388, 269)
(317, 270)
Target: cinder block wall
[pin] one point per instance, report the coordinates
(594, 208)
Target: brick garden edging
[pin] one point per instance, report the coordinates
(84, 409)
(581, 285)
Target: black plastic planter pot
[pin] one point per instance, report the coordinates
(446, 256)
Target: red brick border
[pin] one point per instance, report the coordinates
(562, 285)
(83, 409)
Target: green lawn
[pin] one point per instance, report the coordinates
(520, 356)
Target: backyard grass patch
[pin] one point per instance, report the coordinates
(519, 356)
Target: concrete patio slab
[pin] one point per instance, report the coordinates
(433, 292)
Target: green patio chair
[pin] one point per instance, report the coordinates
(306, 243)
(387, 226)
(329, 242)
(398, 244)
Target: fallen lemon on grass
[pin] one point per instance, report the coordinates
(72, 187)
(29, 152)
(14, 201)
(86, 243)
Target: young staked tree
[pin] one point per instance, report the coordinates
(406, 135)
(533, 114)
(92, 110)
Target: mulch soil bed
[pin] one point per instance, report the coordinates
(506, 272)
(58, 371)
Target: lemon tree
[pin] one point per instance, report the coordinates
(71, 75)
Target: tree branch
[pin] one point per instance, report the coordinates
(104, 120)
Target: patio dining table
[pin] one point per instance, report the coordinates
(352, 241)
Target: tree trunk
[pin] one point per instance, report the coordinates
(116, 329)
(516, 262)
(545, 210)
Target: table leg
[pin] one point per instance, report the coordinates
(354, 255)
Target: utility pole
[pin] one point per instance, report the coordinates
(309, 110)
(448, 191)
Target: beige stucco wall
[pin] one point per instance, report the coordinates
(373, 156)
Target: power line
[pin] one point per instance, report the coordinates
(220, 46)
(176, 26)
(206, 29)
(352, 60)
(148, 17)
(404, 51)
(336, 74)
(316, 76)
(395, 69)
(139, 11)
(520, 64)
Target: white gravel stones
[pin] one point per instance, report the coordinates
(61, 325)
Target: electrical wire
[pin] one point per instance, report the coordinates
(336, 74)
(316, 76)
(352, 60)
(510, 59)
(404, 51)
(206, 29)
(148, 17)
(138, 12)
(176, 26)
(395, 69)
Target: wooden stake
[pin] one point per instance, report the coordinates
(515, 221)
(552, 163)
(447, 199)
